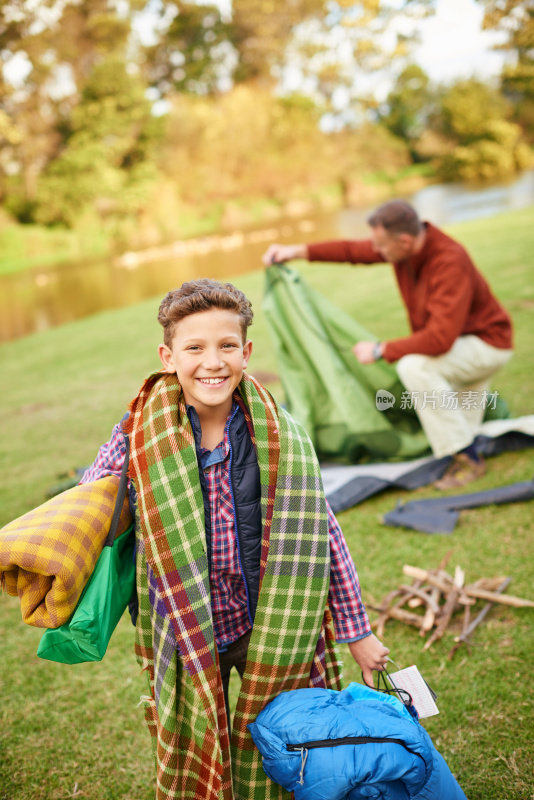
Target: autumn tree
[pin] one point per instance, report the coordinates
(484, 144)
(515, 19)
(61, 45)
(194, 53)
(107, 161)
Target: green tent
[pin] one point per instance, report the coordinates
(338, 400)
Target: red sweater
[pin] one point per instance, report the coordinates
(445, 295)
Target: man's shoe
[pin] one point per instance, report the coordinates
(461, 471)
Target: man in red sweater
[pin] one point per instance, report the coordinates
(461, 335)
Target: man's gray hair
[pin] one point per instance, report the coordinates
(396, 216)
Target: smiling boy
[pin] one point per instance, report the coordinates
(240, 561)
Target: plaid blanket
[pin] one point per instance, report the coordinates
(48, 554)
(292, 640)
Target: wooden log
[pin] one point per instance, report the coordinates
(465, 627)
(448, 609)
(422, 595)
(495, 597)
(445, 560)
(430, 615)
(399, 614)
(403, 596)
(471, 591)
(415, 602)
(428, 576)
(491, 584)
(380, 622)
(483, 614)
(469, 627)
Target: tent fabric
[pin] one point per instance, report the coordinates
(346, 485)
(395, 761)
(440, 514)
(326, 389)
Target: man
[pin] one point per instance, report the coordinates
(461, 335)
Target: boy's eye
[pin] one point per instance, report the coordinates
(229, 346)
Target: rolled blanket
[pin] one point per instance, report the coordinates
(48, 554)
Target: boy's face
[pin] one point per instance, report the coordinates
(208, 356)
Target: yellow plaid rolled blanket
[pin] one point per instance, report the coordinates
(48, 554)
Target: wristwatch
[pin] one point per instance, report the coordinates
(377, 351)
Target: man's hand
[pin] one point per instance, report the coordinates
(279, 253)
(365, 352)
(370, 654)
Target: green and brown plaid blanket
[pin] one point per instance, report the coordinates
(292, 643)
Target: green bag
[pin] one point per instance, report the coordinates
(110, 588)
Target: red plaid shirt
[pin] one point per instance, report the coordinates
(228, 591)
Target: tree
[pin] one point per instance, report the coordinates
(195, 53)
(107, 162)
(483, 143)
(515, 19)
(409, 106)
(263, 29)
(58, 43)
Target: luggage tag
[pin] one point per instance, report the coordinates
(411, 689)
(410, 680)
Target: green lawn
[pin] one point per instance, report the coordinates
(77, 731)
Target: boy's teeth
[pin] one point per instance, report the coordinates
(211, 380)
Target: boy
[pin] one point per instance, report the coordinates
(240, 562)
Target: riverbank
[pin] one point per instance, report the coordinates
(66, 387)
(24, 247)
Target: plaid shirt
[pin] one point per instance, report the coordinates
(228, 590)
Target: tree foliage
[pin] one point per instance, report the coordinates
(485, 145)
(79, 135)
(409, 106)
(80, 123)
(515, 19)
(107, 161)
(196, 54)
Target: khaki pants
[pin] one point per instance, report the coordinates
(448, 392)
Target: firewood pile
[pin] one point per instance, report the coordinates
(433, 598)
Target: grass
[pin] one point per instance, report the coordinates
(76, 731)
(26, 246)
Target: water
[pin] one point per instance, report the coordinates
(39, 299)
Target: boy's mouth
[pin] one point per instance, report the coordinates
(212, 381)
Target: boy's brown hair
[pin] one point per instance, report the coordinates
(201, 295)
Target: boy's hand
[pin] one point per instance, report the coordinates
(370, 654)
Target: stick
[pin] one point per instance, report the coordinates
(470, 591)
(430, 615)
(399, 614)
(495, 597)
(428, 599)
(448, 609)
(403, 596)
(380, 623)
(429, 577)
(483, 614)
(468, 628)
(465, 626)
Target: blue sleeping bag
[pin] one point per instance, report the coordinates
(327, 745)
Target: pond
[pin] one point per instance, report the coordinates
(38, 299)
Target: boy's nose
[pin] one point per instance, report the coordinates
(213, 359)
